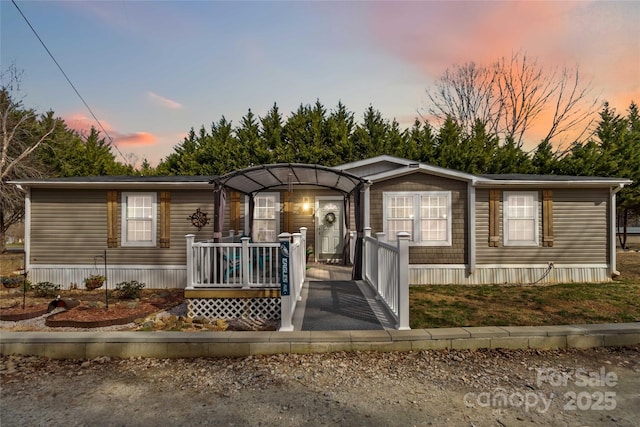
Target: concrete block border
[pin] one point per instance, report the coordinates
(89, 345)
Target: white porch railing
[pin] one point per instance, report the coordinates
(231, 264)
(246, 265)
(386, 270)
(297, 275)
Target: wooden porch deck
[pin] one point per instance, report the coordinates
(330, 301)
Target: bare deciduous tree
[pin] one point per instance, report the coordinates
(510, 96)
(20, 135)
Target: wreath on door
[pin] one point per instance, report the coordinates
(330, 218)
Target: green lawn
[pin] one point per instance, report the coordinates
(460, 305)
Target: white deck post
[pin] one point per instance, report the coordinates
(298, 268)
(365, 254)
(244, 259)
(190, 240)
(303, 255)
(286, 301)
(382, 266)
(403, 280)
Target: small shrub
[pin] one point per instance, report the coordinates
(46, 289)
(129, 290)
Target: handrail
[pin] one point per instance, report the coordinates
(386, 269)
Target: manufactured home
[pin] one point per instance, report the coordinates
(463, 228)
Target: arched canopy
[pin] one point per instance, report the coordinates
(264, 177)
(260, 178)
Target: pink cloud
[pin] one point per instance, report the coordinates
(596, 37)
(164, 102)
(138, 138)
(436, 35)
(82, 124)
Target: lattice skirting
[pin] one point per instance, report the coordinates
(233, 308)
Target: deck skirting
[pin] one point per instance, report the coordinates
(258, 304)
(458, 274)
(153, 276)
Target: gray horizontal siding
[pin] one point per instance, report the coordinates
(67, 227)
(579, 227)
(70, 227)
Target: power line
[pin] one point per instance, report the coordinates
(70, 83)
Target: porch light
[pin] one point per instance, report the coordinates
(305, 204)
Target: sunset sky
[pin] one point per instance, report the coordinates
(152, 70)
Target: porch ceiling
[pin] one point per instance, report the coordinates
(264, 177)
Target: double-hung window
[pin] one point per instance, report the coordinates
(139, 213)
(520, 213)
(265, 217)
(426, 216)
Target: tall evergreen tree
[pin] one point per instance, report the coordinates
(447, 149)
(396, 141)
(339, 126)
(478, 149)
(544, 160)
(252, 149)
(369, 137)
(271, 133)
(581, 160)
(510, 158)
(223, 150)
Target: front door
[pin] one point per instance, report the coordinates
(329, 239)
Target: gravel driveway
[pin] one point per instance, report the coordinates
(463, 388)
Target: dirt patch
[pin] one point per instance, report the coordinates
(426, 388)
(10, 262)
(628, 263)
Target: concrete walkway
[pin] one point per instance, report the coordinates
(89, 345)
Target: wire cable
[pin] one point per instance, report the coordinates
(111, 142)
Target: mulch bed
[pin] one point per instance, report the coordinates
(92, 317)
(15, 314)
(83, 314)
